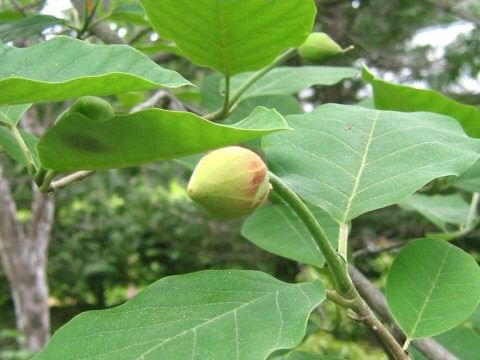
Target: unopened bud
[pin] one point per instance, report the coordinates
(319, 47)
(230, 182)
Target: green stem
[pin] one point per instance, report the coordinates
(25, 150)
(259, 74)
(230, 104)
(343, 240)
(337, 265)
(45, 187)
(226, 97)
(347, 295)
(88, 17)
(472, 212)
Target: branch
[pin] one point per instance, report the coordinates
(428, 347)
(12, 233)
(445, 6)
(100, 30)
(69, 179)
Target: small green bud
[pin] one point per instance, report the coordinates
(319, 47)
(92, 107)
(230, 182)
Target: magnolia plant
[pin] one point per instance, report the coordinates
(298, 189)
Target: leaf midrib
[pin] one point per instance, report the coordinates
(427, 298)
(361, 169)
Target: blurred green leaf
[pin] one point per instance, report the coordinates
(11, 146)
(11, 115)
(470, 179)
(291, 80)
(389, 96)
(439, 209)
(27, 27)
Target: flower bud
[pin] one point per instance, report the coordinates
(230, 182)
(319, 47)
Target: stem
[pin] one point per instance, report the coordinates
(69, 179)
(337, 266)
(231, 103)
(472, 212)
(343, 241)
(348, 294)
(406, 344)
(45, 187)
(259, 74)
(88, 17)
(25, 150)
(226, 97)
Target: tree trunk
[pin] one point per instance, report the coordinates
(24, 258)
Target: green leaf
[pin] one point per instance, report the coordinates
(78, 142)
(210, 96)
(278, 229)
(27, 27)
(11, 115)
(475, 319)
(470, 179)
(64, 68)
(462, 342)
(349, 160)
(301, 355)
(232, 36)
(388, 96)
(131, 13)
(11, 146)
(284, 104)
(291, 80)
(432, 287)
(279, 81)
(439, 209)
(214, 315)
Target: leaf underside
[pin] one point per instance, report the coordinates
(349, 160)
(214, 315)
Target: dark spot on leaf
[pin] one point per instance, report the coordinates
(85, 143)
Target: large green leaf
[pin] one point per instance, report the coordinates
(65, 68)
(278, 229)
(78, 142)
(439, 209)
(350, 160)
(432, 287)
(213, 315)
(388, 96)
(11, 115)
(232, 36)
(27, 27)
(291, 80)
